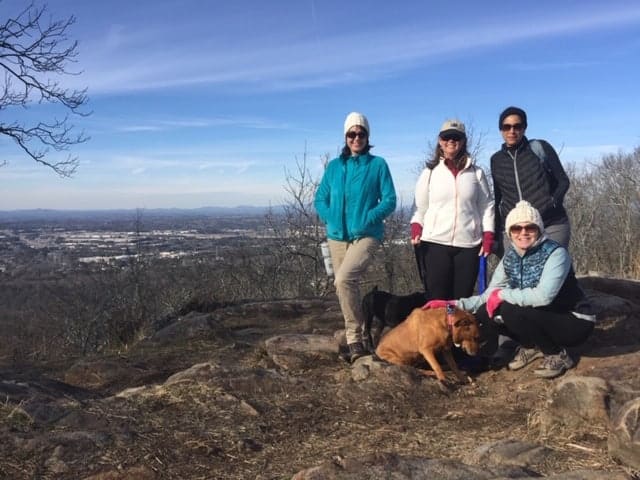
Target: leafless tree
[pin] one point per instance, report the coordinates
(35, 51)
(396, 270)
(604, 207)
(299, 232)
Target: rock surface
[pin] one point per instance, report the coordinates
(259, 391)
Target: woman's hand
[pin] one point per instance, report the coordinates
(488, 240)
(438, 304)
(493, 302)
(416, 233)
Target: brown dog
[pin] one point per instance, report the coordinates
(428, 331)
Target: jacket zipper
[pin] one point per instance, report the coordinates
(345, 228)
(515, 172)
(455, 209)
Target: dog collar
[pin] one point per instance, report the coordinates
(450, 321)
(451, 310)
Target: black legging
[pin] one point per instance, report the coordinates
(532, 327)
(449, 272)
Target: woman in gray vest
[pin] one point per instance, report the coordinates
(533, 297)
(528, 170)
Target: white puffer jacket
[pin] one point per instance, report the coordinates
(453, 210)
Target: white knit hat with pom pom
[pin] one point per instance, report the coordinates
(524, 212)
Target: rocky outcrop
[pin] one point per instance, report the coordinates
(259, 391)
(292, 351)
(624, 437)
(400, 467)
(577, 401)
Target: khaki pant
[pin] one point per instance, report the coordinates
(350, 262)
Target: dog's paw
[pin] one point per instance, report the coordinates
(465, 379)
(445, 386)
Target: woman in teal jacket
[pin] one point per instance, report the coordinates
(354, 197)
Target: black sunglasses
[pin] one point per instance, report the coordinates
(353, 135)
(505, 127)
(529, 228)
(451, 136)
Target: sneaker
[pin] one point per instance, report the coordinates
(523, 357)
(554, 365)
(356, 350)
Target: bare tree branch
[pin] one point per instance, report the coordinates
(34, 51)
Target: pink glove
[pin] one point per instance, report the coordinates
(487, 243)
(438, 304)
(493, 302)
(416, 231)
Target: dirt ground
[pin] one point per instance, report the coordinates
(249, 419)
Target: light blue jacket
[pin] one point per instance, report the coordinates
(553, 276)
(354, 197)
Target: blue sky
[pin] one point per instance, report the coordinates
(199, 103)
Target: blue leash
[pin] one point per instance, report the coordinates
(482, 275)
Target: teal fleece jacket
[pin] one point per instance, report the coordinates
(354, 197)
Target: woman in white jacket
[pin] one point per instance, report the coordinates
(454, 218)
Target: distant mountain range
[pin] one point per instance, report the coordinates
(48, 214)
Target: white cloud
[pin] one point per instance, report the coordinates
(314, 62)
(159, 125)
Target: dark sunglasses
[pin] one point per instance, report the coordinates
(451, 136)
(353, 135)
(529, 228)
(516, 126)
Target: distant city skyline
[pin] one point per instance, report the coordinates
(209, 103)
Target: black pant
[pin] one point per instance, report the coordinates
(449, 272)
(532, 327)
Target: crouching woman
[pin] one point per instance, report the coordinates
(533, 297)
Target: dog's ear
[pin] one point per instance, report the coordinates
(463, 322)
(464, 319)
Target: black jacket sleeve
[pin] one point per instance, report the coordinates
(561, 184)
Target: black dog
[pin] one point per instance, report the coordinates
(389, 310)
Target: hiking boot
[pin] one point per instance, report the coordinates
(356, 350)
(554, 365)
(523, 357)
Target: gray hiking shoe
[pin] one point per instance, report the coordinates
(523, 357)
(356, 350)
(554, 365)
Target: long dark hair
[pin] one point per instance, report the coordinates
(459, 161)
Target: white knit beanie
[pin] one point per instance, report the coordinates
(356, 119)
(524, 212)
